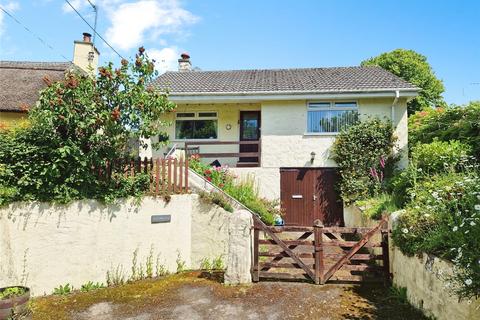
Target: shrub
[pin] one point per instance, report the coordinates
(428, 159)
(459, 123)
(364, 157)
(444, 220)
(441, 156)
(78, 125)
(376, 206)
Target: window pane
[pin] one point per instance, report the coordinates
(331, 121)
(205, 129)
(185, 115)
(319, 105)
(207, 114)
(184, 129)
(345, 104)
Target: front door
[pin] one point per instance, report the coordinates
(308, 194)
(249, 131)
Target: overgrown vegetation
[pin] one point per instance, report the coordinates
(364, 155)
(244, 191)
(461, 123)
(78, 125)
(440, 191)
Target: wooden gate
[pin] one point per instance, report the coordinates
(320, 254)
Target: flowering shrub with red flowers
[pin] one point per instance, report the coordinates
(78, 124)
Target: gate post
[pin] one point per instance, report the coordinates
(318, 239)
(385, 249)
(255, 265)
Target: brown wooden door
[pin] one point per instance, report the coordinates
(308, 194)
(249, 131)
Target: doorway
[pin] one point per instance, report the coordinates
(308, 194)
(249, 131)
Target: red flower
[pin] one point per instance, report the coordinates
(208, 172)
(221, 185)
(209, 179)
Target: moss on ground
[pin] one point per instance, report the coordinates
(193, 291)
(136, 295)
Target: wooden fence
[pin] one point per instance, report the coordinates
(167, 176)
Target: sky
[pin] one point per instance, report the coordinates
(256, 34)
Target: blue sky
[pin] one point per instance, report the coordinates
(249, 34)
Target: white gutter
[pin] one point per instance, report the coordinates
(270, 96)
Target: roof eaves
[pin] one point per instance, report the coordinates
(296, 92)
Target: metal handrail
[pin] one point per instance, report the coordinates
(171, 151)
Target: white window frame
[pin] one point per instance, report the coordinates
(195, 117)
(330, 107)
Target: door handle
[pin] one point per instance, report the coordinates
(297, 196)
(314, 197)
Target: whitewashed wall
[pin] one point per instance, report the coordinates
(80, 242)
(285, 142)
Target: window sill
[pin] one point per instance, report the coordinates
(322, 134)
(193, 140)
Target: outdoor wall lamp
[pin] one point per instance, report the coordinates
(91, 56)
(312, 156)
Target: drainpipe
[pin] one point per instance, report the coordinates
(397, 95)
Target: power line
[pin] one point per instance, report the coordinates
(94, 31)
(45, 43)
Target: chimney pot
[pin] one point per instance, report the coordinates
(87, 37)
(184, 63)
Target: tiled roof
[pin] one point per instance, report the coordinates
(21, 81)
(311, 80)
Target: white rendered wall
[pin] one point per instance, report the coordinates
(57, 244)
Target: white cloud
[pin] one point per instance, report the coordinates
(133, 23)
(165, 59)
(10, 6)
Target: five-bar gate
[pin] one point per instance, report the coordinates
(320, 254)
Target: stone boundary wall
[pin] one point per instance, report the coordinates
(424, 277)
(44, 245)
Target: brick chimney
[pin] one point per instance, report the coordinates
(184, 63)
(85, 55)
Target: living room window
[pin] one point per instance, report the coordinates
(196, 125)
(331, 117)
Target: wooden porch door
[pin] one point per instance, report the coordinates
(249, 131)
(308, 194)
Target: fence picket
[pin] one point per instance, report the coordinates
(180, 175)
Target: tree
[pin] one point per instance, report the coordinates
(414, 68)
(78, 125)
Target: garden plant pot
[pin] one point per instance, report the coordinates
(16, 305)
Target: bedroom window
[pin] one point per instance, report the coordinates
(331, 117)
(196, 125)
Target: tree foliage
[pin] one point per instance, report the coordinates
(414, 68)
(78, 125)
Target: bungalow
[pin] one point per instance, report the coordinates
(279, 125)
(21, 81)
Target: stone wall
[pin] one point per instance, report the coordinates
(425, 277)
(51, 245)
